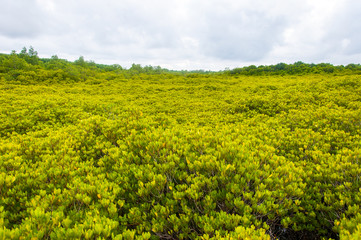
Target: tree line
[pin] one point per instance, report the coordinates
(297, 68)
(26, 67)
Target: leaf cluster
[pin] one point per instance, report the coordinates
(193, 156)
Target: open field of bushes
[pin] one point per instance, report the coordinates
(95, 153)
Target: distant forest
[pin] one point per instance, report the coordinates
(298, 68)
(26, 67)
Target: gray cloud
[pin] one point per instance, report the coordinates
(182, 34)
(20, 19)
(344, 33)
(243, 36)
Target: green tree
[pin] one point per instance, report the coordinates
(80, 62)
(30, 56)
(14, 62)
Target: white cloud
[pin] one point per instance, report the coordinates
(185, 34)
(317, 36)
(19, 19)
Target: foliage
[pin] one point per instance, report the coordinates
(298, 68)
(88, 152)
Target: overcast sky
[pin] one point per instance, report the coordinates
(185, 34)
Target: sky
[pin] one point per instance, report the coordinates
(185, 34)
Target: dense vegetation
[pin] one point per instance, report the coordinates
(298, 68)
(98, 152)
